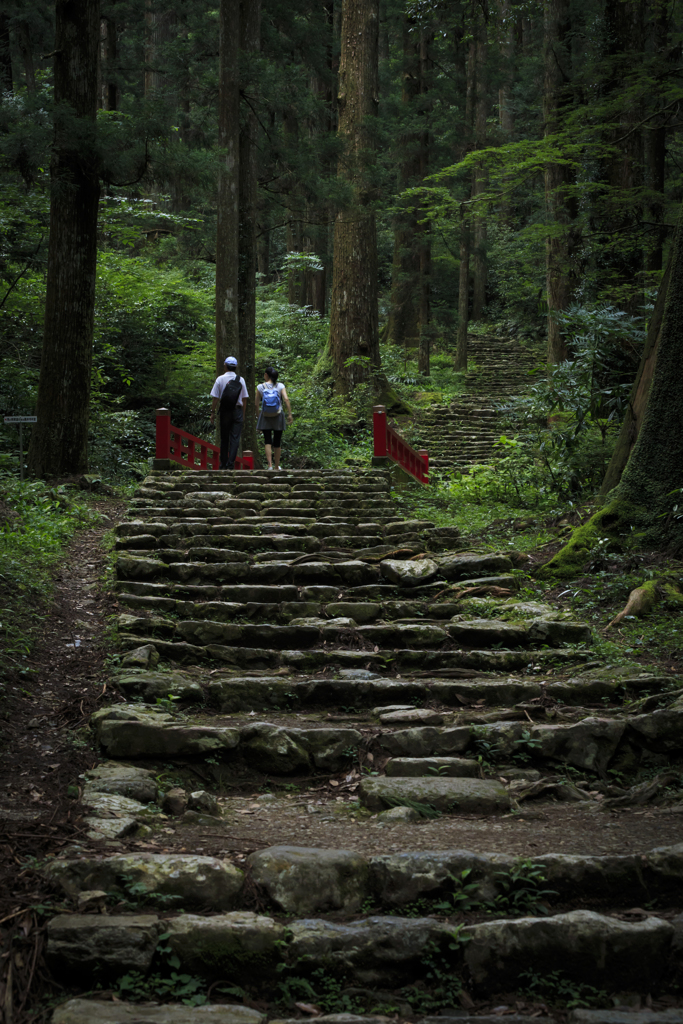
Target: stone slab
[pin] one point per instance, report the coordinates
(194, 881)
(416, 767)
(303, 881)
(108, 944)
(450, 795)
(96, 1011)
(591, 948)
(673, 1016)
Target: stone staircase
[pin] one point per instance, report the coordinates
(463, 433)
(323, 717)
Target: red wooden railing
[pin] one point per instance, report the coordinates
(389, 444)
(179, 446)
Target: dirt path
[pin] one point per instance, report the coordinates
(41, 753)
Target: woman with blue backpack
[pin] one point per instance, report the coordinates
(271, 417)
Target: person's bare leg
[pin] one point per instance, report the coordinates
(269, 453)
(276, 454)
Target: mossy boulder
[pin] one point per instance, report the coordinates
(191, 881)
(306, 881)
(240, 944)
(273, 750)
(409, 574)
(103, 945)
(586, 947)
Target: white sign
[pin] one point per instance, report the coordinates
(21, 419)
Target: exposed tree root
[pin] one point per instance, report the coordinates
(643, 599)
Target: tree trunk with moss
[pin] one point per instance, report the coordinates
(562, 242)
(354, 328)
(639, 510)
(250, 42)
(637, 403)
(59, 443)
(228, 206)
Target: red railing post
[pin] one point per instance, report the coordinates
(163, 446)
(175, 445)
(424, 455)
(379, 430)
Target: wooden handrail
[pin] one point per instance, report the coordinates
(388, 443)
(184, 448)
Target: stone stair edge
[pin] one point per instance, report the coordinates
(388, 950)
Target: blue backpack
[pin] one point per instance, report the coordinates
(270, 402)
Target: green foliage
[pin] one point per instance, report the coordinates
(137, 894)
(164, 983)
(322, 988)
(489, 751)
(440, 985)
(36, 523)
(557, 988)
(424, 810)
(519, 890)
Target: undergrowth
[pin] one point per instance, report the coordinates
(36, 523)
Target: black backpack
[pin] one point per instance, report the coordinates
(231, 392)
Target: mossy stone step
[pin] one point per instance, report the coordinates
(416, 767)
(308, 880)
(362, 689)
(448, 795)
(97, 1011)
(314, 659)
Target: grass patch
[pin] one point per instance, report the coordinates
(36, 523)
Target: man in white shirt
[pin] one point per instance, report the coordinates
(231, 411)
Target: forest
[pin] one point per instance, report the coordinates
(486, 167)
(366, 216)
(466, 214)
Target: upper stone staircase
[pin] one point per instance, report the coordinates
(463, 433)
(327, 669)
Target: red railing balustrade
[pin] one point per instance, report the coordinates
(390, 444)
(185, 449)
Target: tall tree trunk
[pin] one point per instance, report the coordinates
(480, 115)
(404, 315)
(622, 270)
(506, 114)
(465, 226)
(109, 98)
(463, 296)
(562, 239)
(637, 402)
(424, 238)
(354, 316)
(228, 212)
(314, 239)
(26, 47)
(641, 506)
(5, 54)
(655, 149)
(250, 39)
(59, 443)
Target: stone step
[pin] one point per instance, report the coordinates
(330, 658)
(304, 881)
(310, 631)
(98, 1011)
(452, 795)
(379, 591)
(389, 950)
(360, 688)
(229, 566)
(590, 743)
